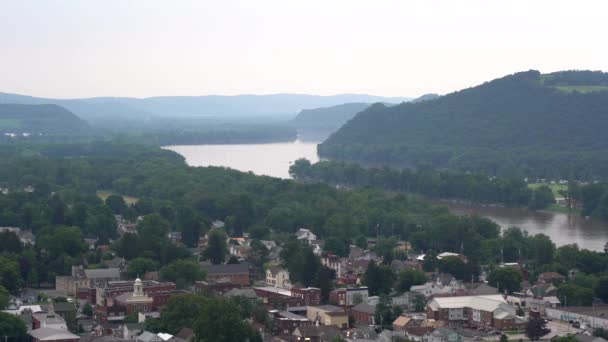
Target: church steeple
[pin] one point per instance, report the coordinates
(138, 288)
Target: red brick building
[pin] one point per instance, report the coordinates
(363, 313)
(309, 295)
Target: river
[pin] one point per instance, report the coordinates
(274, 160)
(271, 159)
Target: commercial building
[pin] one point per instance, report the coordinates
(483, 311)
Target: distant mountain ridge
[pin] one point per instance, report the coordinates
(278, 105)
(525, 124)
(48, 119)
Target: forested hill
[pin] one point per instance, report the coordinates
(526, 124)
(46, 119)
(321, 122)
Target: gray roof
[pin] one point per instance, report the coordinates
(51, 334)
(364, 307)
(63, 307)
(586, 338)
(227, 269)
(102, 273)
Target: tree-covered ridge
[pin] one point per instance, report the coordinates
(431, 183)
(39, 119)
(327, 118)
(515, 125)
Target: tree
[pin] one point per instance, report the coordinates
(336, 246)
(220, 320)
(505, 278)
(4, 296)
(139, 266)
(10, 243)
(419, 302)
(9, 275)
(187, 270)
(535, 328)
(542, 248)
(600, 332)
(601, 288)
(258, 255)
(379, 279)
(542, 197)
(117, 204)
(216, 248)
(11, 326)
(410, 277)
(575, 295)
(190, 225)
(454, 266)
(87, 310)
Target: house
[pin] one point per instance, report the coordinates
(444, 335)
(236, 273)
(305, 235)
(480, 289)
(287, 322)
(48, 320)
(81, 278)
(327, 315)
(406, 301)
(349, 296)
(276, 297)
(541, 290)
(419, 333)
(315, 334)
(443, 255)
(278, 277)
(551, 278)
(67, 311)
(317, 247)
(363, 313)
(402, 322)
(53, 334)
(147, 336)
(334, 262)
(130, 331)
(490, 310)
(541, 304)
(185, 334)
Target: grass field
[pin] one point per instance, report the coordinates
(582, 89)
(9, 123)
(103, 194)
(554, 187)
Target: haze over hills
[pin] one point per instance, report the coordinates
(45, 119)
(283, 106)
(526, 124)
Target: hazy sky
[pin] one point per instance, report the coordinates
(84, 48)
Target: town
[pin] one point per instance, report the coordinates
(111, 303)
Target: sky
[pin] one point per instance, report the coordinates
(88, 48)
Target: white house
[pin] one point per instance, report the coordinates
(278, 277)
(305, 234)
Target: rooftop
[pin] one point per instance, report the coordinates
(102, 273)
(50, 334)
(227, 269)
(485, 303)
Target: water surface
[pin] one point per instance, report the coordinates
(262, 159)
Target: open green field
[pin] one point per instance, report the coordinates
(582, 89)
(103, 194)
(9, 123)
(554, 187)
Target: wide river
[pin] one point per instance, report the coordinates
(274, 160)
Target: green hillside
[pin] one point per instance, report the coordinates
(526, 124)
(39, 119)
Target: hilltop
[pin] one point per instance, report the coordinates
(527, 124)
(284, 106)
(47, 119)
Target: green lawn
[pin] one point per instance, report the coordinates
(103, 194)
(554, 187)
(582, 89)
(9, 123)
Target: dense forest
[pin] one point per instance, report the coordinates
(431, 183)
(522, 125)
(49, 120)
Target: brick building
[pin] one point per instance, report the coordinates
(308, 295)
(236, 273)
